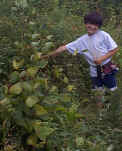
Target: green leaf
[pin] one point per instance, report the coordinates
(65, 80)
(70, 88)
(5, 101)
(71, 116)
(39, 94)
(6, 89)
(35, 36)
(35, 44)
(43, 82)
(85, 50)
(27, 86)
(32, 23)
(31, 101)
(42, 131)
(42, 64)
(47, 47)
(61, 108)
(75, 53)
(110, 147)
(18, 63)
(49, 37)
(73, 108)
(18, 116)
(39, 110)
(53, 88)
(49, 44)
(32, 71)
(14, 77)
(23, 74)
(66, 98)
(16, 89)
(120, 61)
(80, 141)
(21, 3)
(36, 56)
(32, 140)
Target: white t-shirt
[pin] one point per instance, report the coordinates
(97, 45)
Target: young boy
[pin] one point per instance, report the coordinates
(101, 47)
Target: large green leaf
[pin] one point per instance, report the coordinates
(34, 36)
(21, 3)
(43, 82)
(23, 74)
(18, 63)
(14, 77)
(49, 45)
(65, 80)
(80, 141)
(27, 86)
(32, 71)
(36, 56)
(5, 101)
(39, 110)
(31, 101)
(66, 98)
(49, 37)
(42, 131)
(120, 61)
(35, 44)
(16, 89)
(32, 140)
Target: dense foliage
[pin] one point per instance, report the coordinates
(48, 104)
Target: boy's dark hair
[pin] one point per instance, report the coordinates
(93, 18)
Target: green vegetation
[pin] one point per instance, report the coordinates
(48, 104)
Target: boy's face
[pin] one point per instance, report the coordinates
(91, 29)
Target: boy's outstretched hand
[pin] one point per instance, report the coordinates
(54, 53)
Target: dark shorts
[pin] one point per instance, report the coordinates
(108, 81)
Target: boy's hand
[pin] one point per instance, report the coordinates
(108, 55)
(98, 61)
(54, 53)
(44, 57)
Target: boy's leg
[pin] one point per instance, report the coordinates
(110, 82)
(96, 83)
(97, 86)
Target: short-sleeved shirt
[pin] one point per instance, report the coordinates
(97, 45)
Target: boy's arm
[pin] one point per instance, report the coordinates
(54, 53)
(108, 55)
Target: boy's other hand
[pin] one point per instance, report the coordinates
(108, 55)
(54, 53)
(44, 57)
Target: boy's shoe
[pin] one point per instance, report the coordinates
(98, 89)
(113, 89)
